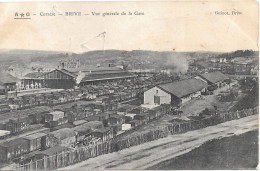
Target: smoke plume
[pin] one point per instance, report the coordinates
(80, 76)
(178, 63)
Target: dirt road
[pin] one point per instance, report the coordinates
(151, 153)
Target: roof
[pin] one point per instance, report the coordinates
(79, 122)
(107, 76)
(93, 123)
(63, 71)
(183, 88)
(82, 128)
(92, 118)
(214, 77)
(115, 116)
(56, 112)
(13, 142)
(94, 69)
(101, 130)
(34, 136)
(34, 75)
(63, 133)
(7, 78)
(67, 72)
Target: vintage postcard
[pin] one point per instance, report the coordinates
(129, 85)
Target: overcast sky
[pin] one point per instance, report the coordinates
(182, 26)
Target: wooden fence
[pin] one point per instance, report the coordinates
(80, 154)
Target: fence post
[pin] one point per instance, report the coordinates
(36, 164)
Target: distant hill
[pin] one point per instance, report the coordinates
(132, 59)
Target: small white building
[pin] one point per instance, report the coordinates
(175, 93)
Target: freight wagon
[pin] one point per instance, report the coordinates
(53, 116)
(103, 133)
(18, 125)
(13, 148)
(74, 116)
(39, 155)
(58, 122)
(82, 131)
(38, 117)
(34, 140)
(64, 137)
(88, 111)
(144, 117)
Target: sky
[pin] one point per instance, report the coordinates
(165, 26)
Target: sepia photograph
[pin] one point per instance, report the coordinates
(129, 85)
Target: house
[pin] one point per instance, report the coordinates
(174, 93)
(213, 78)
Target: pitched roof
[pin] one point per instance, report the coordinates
(214, 77)
(34, 75)
(107, 76)
(34, 136)
(7, 78)
(184, 87)
(94, 69)
(67, 72)
(13, 142)
(63, 133)
(101, 130)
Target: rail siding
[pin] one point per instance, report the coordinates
(77, 155)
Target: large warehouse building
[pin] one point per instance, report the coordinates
(213, 78)
(175, 93)
(70, 77)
